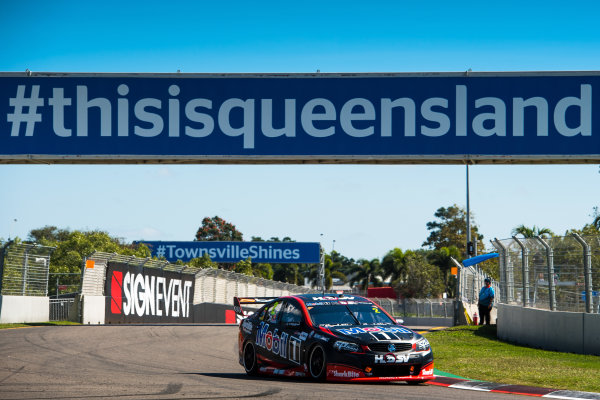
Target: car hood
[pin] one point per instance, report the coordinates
(373, 333)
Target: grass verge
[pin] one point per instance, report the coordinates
(476, 353)
(30, 324)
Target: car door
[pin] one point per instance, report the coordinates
(294, 332)
(267, 333)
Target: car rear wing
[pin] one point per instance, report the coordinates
(238, 302)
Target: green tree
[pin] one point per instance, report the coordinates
(596, 218)
(423, 280)
(367, 273)
(199, 262)
(244, 267)
(48, 234)
(73, 246)
(451, 230)
(262, 270)
(286, 239)
(442, 259)
(288, 273)
(393, 265)
(217, 229)
(534, 231)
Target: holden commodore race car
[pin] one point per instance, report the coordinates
(329, 337)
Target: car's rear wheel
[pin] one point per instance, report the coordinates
(317, 363)
(250, 364)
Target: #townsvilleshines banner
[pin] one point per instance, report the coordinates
(232, 252)
(429, 117)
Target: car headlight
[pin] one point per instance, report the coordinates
(423, 345)
(345, 346)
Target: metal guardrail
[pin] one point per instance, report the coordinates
(24, 269)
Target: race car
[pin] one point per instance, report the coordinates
(329, 337)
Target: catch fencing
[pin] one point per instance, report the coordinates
(211, 285)
(220, 286)
(558, 273)
(419, 308)
(470, 281)
(24, 269)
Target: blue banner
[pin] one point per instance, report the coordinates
(232, 252)
(301, 117)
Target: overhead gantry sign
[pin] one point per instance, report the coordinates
(299, 118)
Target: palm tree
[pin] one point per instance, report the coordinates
(393, 265)
(527, 232)
(333, 269)
(367, 272)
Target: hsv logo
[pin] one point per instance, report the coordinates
(391, 358)
(145, 295)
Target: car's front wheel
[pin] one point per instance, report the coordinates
(317, 363)
(250, 364)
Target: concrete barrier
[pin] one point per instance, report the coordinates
(23, 309)
(211, 313)
(591, 334)
(93, 309)
(550, 330)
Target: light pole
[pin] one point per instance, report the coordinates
(322, 268)
(470, 251)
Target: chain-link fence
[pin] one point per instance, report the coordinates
(24, 269)
(558, 273)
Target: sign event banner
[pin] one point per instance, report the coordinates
(136, 294)
(411, 117)
(232, 252)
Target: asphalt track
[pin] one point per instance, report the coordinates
(165, 362)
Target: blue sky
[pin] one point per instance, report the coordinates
(367, 210)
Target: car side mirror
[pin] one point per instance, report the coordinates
(399, 321)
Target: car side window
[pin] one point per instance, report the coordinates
(262, 312)
(291, 315)
(271, 312)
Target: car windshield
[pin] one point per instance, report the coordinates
(348, 314)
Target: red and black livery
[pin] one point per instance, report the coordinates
(329, 337)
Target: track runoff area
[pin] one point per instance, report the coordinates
(461, 118)
(185, 361)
